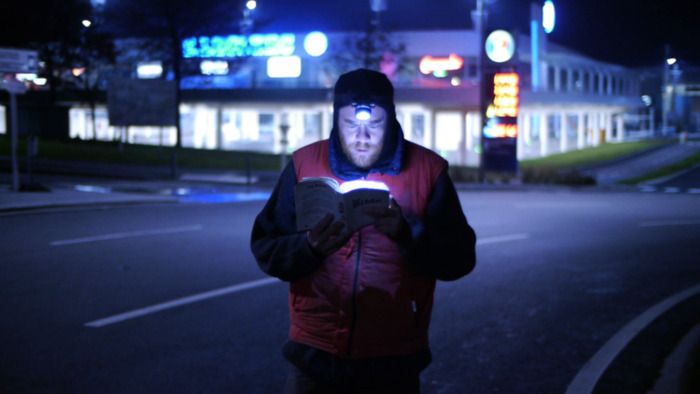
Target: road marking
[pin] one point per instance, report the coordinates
(671, 190)
(694, 191)
(562, 204)
(129, 234)
(660, 223)
(237, 288)
(502, 238)
(647, 189)
(584, 382)
(180, 302)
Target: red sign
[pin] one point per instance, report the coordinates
(430, 64)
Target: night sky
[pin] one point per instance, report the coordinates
(629, 32)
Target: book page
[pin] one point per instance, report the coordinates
(361, 195)
(314, 198)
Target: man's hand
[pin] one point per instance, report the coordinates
(390, 221)
(327, 236)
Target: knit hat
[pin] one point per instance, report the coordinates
(364, 86)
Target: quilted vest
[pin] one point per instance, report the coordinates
(365, 300)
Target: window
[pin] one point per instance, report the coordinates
(417, 127)
(564, 79)
(550, 77)
(312, 125)
(596, 83)
(267, 127)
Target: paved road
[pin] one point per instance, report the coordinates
(558, 274)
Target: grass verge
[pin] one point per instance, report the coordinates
(684, 164)
(113, 152)
(593, 156)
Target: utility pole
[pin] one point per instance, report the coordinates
(479, 19)
(664, 98)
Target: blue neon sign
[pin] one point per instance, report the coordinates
(239, 46)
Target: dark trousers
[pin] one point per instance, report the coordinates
(299, 382)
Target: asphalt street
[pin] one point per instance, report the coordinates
(558, 273)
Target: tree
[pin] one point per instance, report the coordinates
(375, 48)
(159, 27)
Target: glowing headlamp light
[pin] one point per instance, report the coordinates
(363, 111)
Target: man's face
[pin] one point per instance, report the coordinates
(362, 140)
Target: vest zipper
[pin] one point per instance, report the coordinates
(353, 321)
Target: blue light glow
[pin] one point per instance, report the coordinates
(239, 46)
(548, 16)
(315, 43)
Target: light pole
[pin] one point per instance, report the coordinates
(479, 19)
(665, 94)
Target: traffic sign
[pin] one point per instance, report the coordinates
(18, 60)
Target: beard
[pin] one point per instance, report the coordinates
(362, 155)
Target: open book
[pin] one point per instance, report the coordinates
(315, 197)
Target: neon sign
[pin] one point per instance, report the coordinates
(506, 92)
(439, 66)
(502, 113)
(239, 46)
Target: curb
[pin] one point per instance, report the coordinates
(607, 359)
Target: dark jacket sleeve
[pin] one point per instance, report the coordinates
(279, 249)
(443, 244)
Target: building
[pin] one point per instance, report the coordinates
(249, 88)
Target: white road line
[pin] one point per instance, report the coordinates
(647, 189)
(660, 223)
(588, 376)
(502, 238)
(672, 190)
(694, 191)
(180, 302)
(129, 234)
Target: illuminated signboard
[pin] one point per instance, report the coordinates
(502, 112)
(239, 46)
(499, 46)
(284, 67)
(315, 43)
(500, 128)
(549, 16)
(439, 66)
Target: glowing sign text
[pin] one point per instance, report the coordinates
(440, 65)
(239, 46)
(506, 94)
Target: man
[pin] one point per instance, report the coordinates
(360, 303)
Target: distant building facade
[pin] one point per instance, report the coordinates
(245, 98)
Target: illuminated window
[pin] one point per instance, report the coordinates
(266, 122)
(417, 127)
(3, 126)
(312, 125)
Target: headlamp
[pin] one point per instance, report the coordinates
(363, 111)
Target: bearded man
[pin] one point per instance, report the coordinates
(360, 301)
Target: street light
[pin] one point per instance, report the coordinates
(86, 23)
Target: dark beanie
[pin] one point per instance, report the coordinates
(363, 85)
(368, 87)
